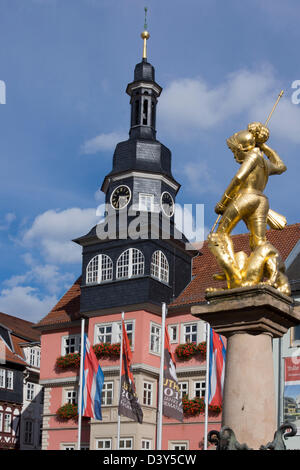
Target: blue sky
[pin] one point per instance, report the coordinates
(66, 64)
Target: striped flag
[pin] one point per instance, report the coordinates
(217, 357)
(92, 383)
(172, 402)
(128, 403)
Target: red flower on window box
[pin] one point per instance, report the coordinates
(187, 350)
(67, 411)
(69, 361)
(107, 350)
(196, 406)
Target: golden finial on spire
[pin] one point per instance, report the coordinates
(145, 35)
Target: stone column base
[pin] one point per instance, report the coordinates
(249, 318)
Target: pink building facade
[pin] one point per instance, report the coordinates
(144, 330)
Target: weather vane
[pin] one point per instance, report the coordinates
(145, 35)
(145, 24)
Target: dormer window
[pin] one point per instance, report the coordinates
(130, 263)
(99, 269)
(160, 266)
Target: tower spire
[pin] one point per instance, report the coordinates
(145, 35)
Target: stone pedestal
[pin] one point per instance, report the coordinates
(249, 318)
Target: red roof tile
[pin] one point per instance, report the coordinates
(21, 332)
(18, 355)
(67, 309)
(20, 327)
(205, 264)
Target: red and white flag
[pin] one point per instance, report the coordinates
(92, 382)
(217, 358)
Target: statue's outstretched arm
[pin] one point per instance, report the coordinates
(275, 164)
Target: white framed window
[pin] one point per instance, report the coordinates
(68, 446)
(34, 357)
(71, 397)
(173, 333)
(129, 326)
(70, 344)
(155, 338)
(126, 443)
(146, 444)
(295, 336)
(184, 389)
(9, 379)
(103, 444)
(190, 333)
(199, 389)
(99, 269)
(30, 391)
(147, 393)
(7, 423)
(104, 333)
(28, 435)
(146, 202)
(107, 393)
(2, 378)
(130, 263)
(160, 266)
(111, 332)
(179, 445)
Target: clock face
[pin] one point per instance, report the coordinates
(120, 197)
(167, 204)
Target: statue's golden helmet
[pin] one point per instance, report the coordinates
(242, 141)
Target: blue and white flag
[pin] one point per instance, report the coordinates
(92, 381)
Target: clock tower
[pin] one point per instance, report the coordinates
(151, 265)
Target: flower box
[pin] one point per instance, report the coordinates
(107, 350)
(187, 350)
(196, 406)
(67, 411)
(69, 361)
(102, 350)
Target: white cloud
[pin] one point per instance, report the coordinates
(103, 142)
(191, 105)
(26, 303)
(52, 232)
(46, 275)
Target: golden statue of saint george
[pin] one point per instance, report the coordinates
(244, 200)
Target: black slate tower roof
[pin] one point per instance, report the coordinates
(142, 151)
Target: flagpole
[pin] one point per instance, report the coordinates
(161, 379)
(206, 384)
(80, 384)
(120, 387)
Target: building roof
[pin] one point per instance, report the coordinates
(67, 308)
(20, 331)
(21, 328)
(205, 264)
